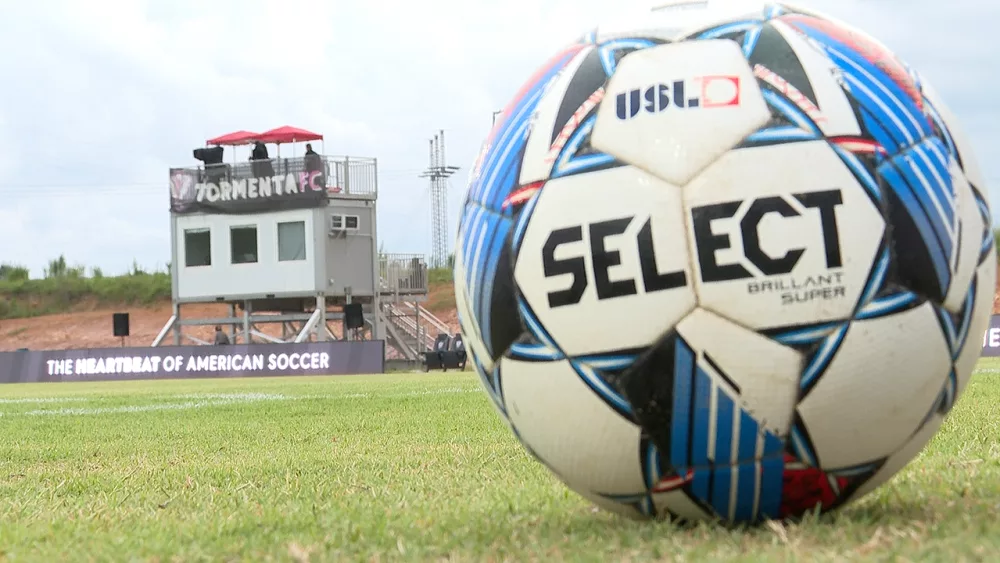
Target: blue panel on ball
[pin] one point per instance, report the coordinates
(718, 453)
(724, 429)
(876, 86)
(680, 427)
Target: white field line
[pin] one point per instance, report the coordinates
(222, 396)
(30, 400)
(195, 401)
(442, 391)
(151, 407)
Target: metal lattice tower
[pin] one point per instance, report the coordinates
(439, 172)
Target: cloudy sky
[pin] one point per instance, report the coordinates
(101, 97)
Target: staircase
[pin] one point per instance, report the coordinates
(410, 328)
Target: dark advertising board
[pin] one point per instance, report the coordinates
(991, 339)
(179, 362)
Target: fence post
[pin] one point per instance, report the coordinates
(347, 174)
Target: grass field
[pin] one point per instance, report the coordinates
(404, 467)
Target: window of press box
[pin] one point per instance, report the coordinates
(243, 244)
(197, 247)
(291, 241)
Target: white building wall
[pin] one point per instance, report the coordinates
(351, 256)
(266, 276)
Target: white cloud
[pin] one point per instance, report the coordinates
(113, 92)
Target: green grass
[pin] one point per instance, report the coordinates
(404, 467)
(436, 276)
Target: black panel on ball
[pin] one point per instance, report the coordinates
(648, 386)
(912, 267)
(588, 78)
(773, 52)
(505, 322)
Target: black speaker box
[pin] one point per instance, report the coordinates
(445, 360)
(353, 316)
(120, 322)
(442, 342)
(433, 360)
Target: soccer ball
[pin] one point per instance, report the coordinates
(725, 266)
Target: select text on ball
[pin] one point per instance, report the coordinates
(603, 256)
(708, 243)
(602, 259)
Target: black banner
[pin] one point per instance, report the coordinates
(179, 362)
(217, 190)
(991, 340)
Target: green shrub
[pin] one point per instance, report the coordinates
(67, 288)
(439, 275)
(13, 272)
(63, 293)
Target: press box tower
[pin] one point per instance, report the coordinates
(285, 240)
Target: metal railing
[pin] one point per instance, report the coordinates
(411, 309)
(348, 175)
(418, 337)
(404, 273)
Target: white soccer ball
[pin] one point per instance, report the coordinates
(725, 264)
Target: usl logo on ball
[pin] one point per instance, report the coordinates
(716, 91)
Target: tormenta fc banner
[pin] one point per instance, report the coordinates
(176, 362)
(216, 190)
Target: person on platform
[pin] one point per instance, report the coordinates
(221, 338)
(314, 163)
(259, 151)
(260, 162)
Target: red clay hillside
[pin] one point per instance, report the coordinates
(74, 311)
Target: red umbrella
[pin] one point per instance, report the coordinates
(234, 138)
(288, 134)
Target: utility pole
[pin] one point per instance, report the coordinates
(439, 172)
